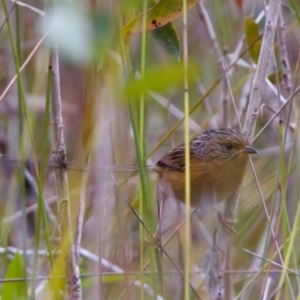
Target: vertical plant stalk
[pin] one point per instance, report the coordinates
(285, 64)
(61, 178)
(261, 70)
(142, 187)
(80, 218)
(187, 237)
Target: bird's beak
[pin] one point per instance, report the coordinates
(250, 150)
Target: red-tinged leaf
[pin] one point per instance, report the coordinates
(239, 3)
(162, 13)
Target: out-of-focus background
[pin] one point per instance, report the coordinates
(122, 98)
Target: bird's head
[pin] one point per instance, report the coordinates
(222, 144)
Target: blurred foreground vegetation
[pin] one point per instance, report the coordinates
(122, 104)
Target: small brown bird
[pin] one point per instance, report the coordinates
(218, 160)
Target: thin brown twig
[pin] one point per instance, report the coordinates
(34, 50)
(161, 247)
(269, 219)
(7, 16)
(61, 176)
(80, 218)
(276, 114)
(222, 60)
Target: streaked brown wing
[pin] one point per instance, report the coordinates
(175, 160)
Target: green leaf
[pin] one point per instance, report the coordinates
(103, 31)
(168, 39)
(115, 278)
(273, 77)
(17, 289)
(253, 38)
(161, 78)
(160, 14)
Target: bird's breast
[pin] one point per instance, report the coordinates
(215, 181)
(229, 177)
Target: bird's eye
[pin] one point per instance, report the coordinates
(228, 146)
